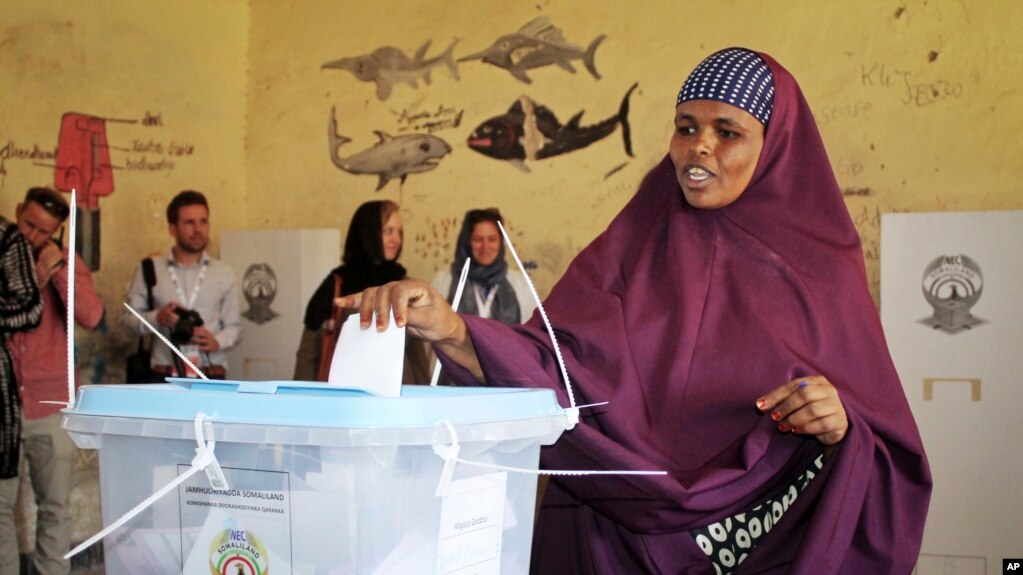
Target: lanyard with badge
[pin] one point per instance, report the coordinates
(190, 350)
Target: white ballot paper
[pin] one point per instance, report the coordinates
(367, 359)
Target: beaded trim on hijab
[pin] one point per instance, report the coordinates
(735, 76)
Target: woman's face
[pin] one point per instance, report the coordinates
(392, 236)
(715, 148)
(485, 241)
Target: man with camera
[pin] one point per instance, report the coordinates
(195, 297)
(40, 370)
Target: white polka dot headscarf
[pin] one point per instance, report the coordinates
(735, 76)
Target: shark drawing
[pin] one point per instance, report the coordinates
(391, 157)
(529, 131)
(388, 66)
(539, 43)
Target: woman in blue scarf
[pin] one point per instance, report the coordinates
(492, 290)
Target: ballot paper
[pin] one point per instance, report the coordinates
(368, 359)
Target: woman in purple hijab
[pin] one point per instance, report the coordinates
(725, 316)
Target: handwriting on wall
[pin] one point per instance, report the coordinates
(413, 119)
(13, 150)
(914, 92)
(846, 168)
(139, 154)
(856, 110)
(622, 188)
(150, 155)
(151, 119)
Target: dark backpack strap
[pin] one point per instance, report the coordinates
(149, 276)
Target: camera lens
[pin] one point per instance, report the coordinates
(188, 320)
(182, 331)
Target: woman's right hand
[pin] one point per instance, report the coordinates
(421, 309)
(416, 305)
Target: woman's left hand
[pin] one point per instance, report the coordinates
(808, 406)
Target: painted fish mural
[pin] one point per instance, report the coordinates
(539, 43)
(388, 66)
(532, 132)
(391, 157)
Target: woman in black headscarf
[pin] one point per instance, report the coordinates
(370, 259)
(492, 290)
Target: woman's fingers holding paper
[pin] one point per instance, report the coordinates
(414, 303)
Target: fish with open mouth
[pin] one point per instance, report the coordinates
(539, 43)
(391, 157)
(529, 132)
(388, 66)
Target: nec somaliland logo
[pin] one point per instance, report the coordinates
(238, 552)
(952, 284)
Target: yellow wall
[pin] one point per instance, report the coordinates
(918, 103)
(170, 79)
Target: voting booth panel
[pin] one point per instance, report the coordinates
(952, 311)
(278, 271)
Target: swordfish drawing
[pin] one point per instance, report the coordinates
(391, 157)
(529, 132)
(538, 43)
(388, 66)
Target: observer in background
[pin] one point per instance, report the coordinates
(491, 290)
(195, 299)
(370, 258)
(42, 376)
(20, 309)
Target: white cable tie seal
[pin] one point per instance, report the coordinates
(449, 453)
(550, 331)
(204, 458)
(70, 304)
(173, 348)
(454, 307)
(572, 413)
(572, 416)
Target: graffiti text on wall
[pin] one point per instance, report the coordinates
(12, 150)
(915, 92)
(152, 155)
(412, 119)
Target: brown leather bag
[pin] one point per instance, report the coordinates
(328, 338)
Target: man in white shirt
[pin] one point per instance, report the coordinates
(195, 298)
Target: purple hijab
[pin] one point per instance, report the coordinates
(682, 318)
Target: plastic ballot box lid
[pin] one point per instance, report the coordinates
(343, 416)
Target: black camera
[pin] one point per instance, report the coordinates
(188, 320)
